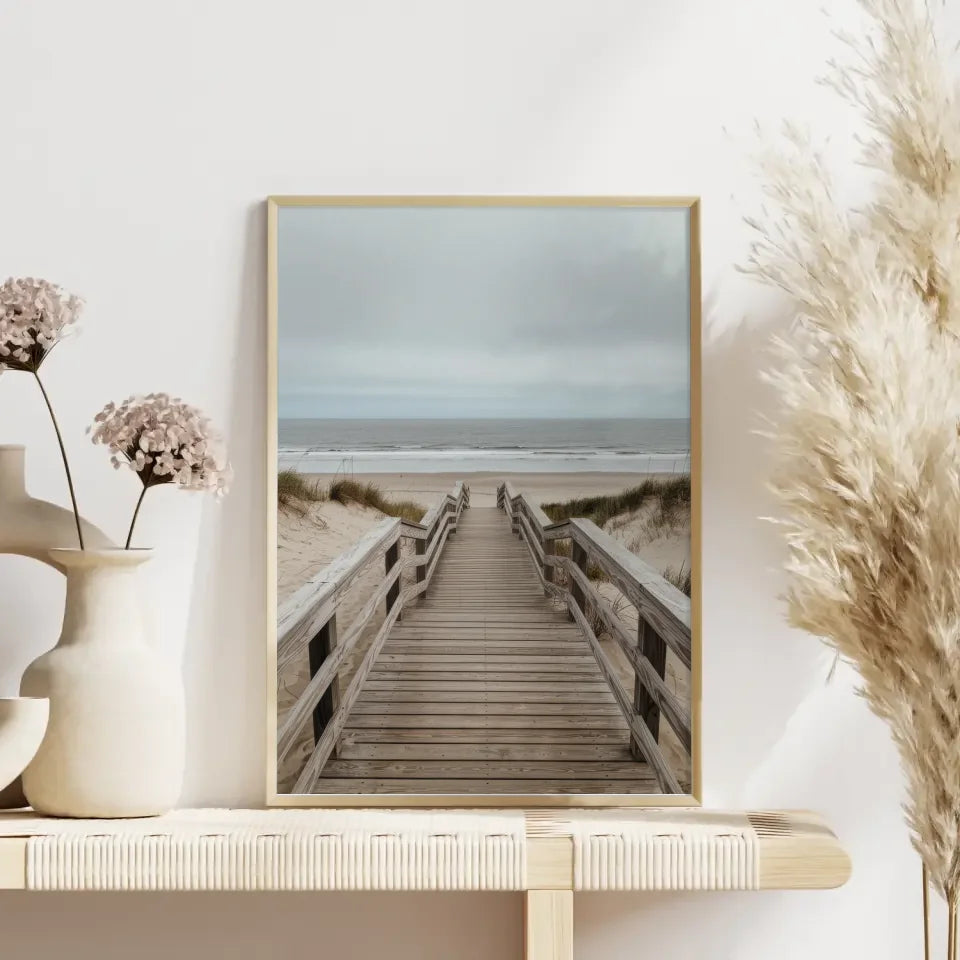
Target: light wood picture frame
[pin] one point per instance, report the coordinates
(395, 647)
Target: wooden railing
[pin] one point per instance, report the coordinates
(308, 623)
(663, 620)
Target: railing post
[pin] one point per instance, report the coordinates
(580, 559)
(515, 520)
(549, 550)
(421, 570)
(651, 646)
(319, 648)
(390, 558)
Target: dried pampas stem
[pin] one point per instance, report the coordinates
(952, 931)
(867, 436)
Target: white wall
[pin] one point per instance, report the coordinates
(138, 143)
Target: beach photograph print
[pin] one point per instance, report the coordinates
(484, 525)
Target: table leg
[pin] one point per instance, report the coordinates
(548, 924)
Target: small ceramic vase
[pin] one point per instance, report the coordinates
(23, 721)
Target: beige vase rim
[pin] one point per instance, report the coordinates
(75, 558)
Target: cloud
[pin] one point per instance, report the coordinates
(545, 311)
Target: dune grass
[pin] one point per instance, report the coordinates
(679, 578)
(296, 492)
(370, 495)
(671, 496)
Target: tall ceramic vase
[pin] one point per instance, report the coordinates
(30, 527)
(114, 745)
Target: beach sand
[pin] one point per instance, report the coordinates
(662, 549)
(543, 487)
(310, 541)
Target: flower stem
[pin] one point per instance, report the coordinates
(136, 511)
(926, 914)
(63, 454)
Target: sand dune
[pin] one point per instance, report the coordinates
(543, 487)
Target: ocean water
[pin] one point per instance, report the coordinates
(465, 446)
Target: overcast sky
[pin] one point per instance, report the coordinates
(484, 312)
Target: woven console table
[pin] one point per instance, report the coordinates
(549, 854)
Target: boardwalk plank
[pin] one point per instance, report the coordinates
(422, 721)
(470, 660)
(521, 684)
(500, 676)
(486, 708)
(489, 696)
(531, 788)
(486, 769)
(528, 735)
(557, 752)
(483, 648)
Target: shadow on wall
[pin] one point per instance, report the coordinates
(754, 665)
(225, 654)
(777, 732)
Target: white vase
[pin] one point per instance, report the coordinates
(31, 527)
(115, 740)
(23, 721)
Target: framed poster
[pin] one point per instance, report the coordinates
(483, 501)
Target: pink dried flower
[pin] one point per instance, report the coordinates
(34, 317)
(163, 440)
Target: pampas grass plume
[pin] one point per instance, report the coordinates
(868, 474)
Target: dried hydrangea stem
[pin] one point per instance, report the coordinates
(136, 511)
(63, 455)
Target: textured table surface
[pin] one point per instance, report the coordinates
(619, 849)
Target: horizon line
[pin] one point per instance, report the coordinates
(481, 418)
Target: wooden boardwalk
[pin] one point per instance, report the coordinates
(485, 687)
(486, 676)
